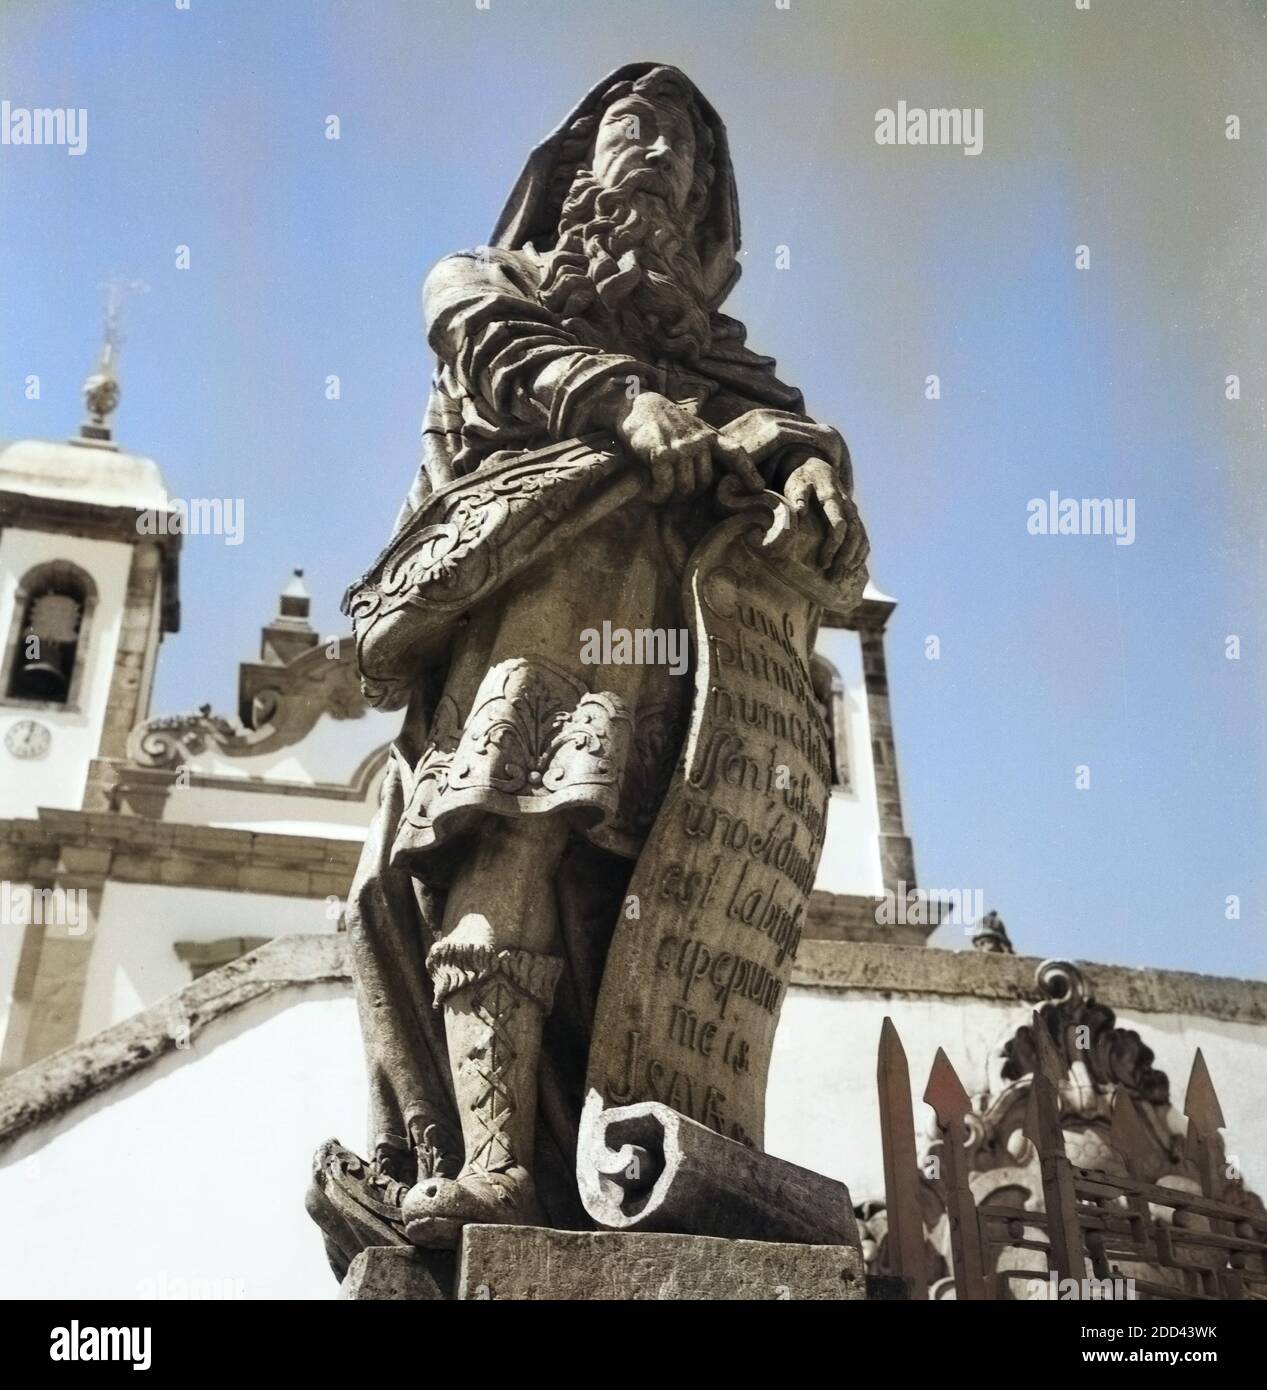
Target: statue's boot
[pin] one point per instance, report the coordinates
(495, 1003)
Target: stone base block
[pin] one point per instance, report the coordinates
(531, 1262)
(398, 1273)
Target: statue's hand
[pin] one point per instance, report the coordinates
(764, 432)
(814, 491)
(682, 452)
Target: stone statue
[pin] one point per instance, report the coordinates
(590, 865)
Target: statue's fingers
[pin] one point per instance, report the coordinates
(661, 466)
(735, 458)
(704, 472)
(684, 468)
(851, 556)
(833, 444)
(837, 530)
(796, 493)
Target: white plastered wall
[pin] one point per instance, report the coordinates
(195, 1169)
(134, 961)
(851, 851)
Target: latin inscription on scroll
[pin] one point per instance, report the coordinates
(694, 983)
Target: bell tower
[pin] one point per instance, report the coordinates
(87, 591)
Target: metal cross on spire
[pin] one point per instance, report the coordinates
(101, 389)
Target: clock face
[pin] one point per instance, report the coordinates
(28, 738)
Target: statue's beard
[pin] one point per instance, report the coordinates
(627, 264)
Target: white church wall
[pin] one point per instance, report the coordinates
(231, 1124)
(851, 851)
(57, 778)
(134, 961)
(193, 1170)
(273, 813)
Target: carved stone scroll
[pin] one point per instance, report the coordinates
(646, 1168)
(700, 961)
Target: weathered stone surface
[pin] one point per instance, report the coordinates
(879, 968)
(694, 985)
(645, 1167)
(533, 1263)
(383, 1272)
(598, 608)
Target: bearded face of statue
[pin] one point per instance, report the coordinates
(626, 258)
(648, 146)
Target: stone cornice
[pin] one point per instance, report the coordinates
(118, 784)
(875, 967)
(61, 845)
(53, 1086)
(872, 614)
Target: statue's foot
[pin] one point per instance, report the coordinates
(436, 1209)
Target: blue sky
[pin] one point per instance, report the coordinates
(1103, 128)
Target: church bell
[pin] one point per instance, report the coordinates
(43, 679)
(52, 634)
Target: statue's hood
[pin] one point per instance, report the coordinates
(532, 211)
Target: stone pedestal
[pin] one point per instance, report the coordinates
(398, 1273)
(530, 1262)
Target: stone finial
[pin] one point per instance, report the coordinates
(991, 936)
(296, 601)
(290, 633)
(101, 399)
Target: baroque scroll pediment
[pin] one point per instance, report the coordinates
(283, 704)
